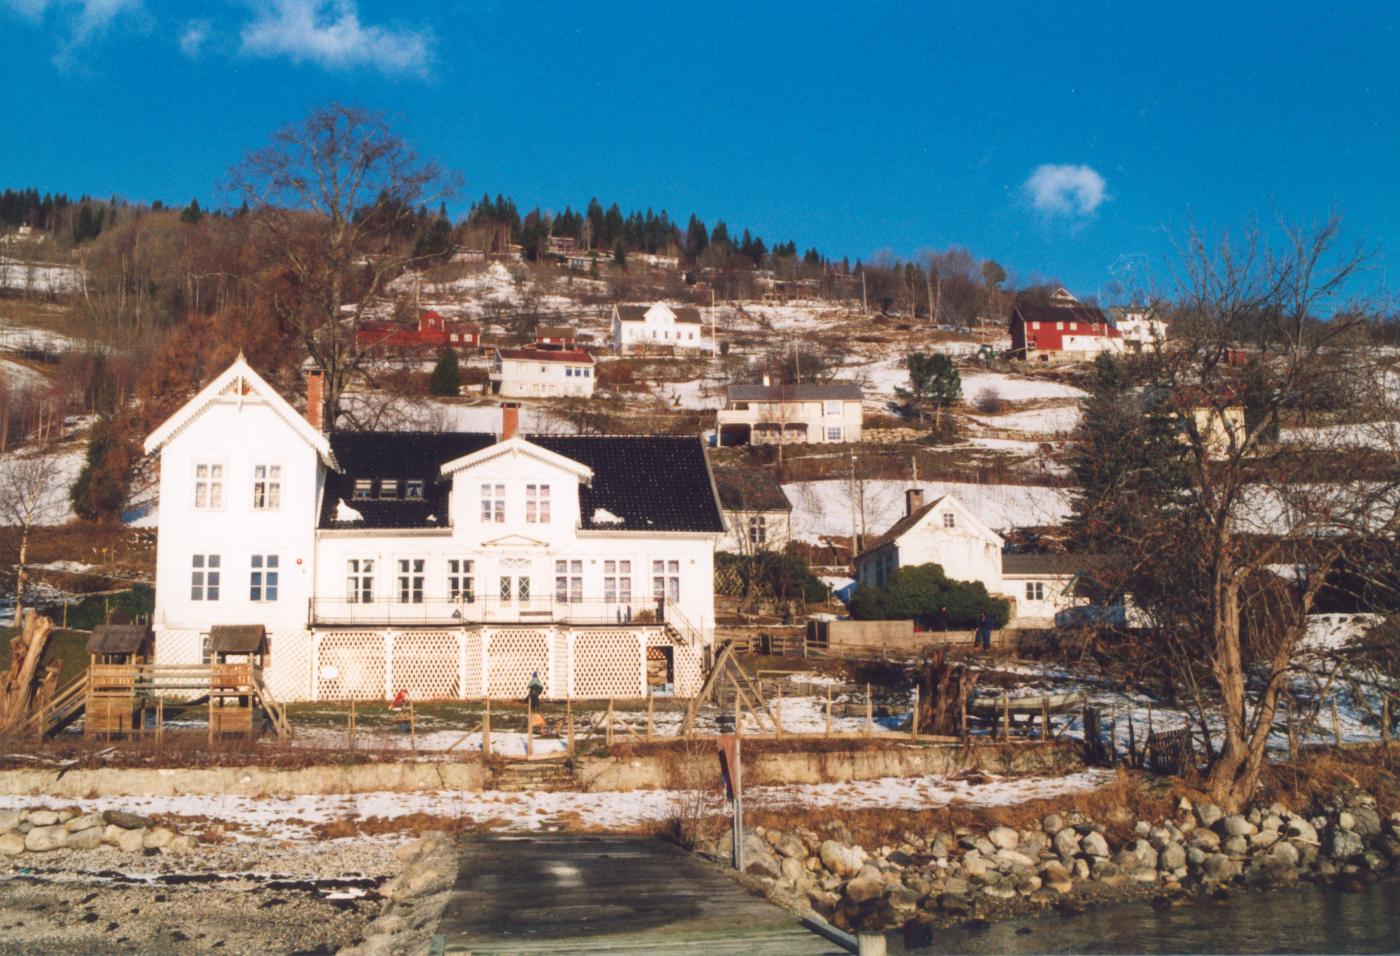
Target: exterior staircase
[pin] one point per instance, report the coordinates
(533, 776)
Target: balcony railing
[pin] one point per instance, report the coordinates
(445, 612)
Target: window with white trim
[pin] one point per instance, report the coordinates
(389, 488)
(493, 504)
(758, 531)
(364, 488)
(666, 580)
(411, 574)
(359, 580)
(267, 487)
(617, 582)
(1035, 591)
(263, 577)
(568, 581)
(413, 489)
(461, 582)
(209, 485)
(833, 433)
(831, 408)
(204, 577)
(950, 520)
(536, 504)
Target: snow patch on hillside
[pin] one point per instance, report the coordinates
(824, 507)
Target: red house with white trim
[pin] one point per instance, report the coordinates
(433, 332)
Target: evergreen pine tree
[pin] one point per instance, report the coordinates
(447, 374)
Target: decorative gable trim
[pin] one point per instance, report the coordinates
(519, 446)
(966, 521)
(233, 386)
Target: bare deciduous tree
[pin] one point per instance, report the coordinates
(28, 484)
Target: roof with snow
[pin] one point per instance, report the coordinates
(640, 483)
(816, 392)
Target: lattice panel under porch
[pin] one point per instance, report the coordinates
(471, 643)
(179, 647)
(351, 665)
(288, 670)
(513, 654)
(607, 663)
(426, 665)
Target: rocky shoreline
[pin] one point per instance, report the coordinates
(1067, 863)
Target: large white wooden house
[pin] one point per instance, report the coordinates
(657, 327)
(945, 532)
(542, 373)
(446, 564)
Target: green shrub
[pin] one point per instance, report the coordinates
(919, 592)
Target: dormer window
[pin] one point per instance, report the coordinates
(950, 520)
(413, 490)
(389, 488)
(364, 489)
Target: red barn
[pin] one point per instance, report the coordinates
(1061, 330)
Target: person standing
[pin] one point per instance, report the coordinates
(984, 632)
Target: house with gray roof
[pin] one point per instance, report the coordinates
(803, 414)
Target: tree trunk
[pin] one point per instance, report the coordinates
(20, 577)
(1235, 772)
(26, 648)
(943, 693)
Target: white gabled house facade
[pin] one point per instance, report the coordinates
(542, 373)
(657, 327)
(446, 564)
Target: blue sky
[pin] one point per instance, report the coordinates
(1067, 139)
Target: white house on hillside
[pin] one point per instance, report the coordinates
(812, 414)
(452, 565)
(756, 509)
(1142, 331)
(657, 327)
(542, 373)
(946, 533)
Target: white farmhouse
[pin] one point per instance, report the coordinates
(791, 414)
(756, 509)
(450, 565)
(1140, 328)
(946, 533)
(657, 327)
(542, 373)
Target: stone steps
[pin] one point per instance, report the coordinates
(519, 776)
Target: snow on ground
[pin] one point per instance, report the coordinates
(54, 507)
(16, 338)
(293, 818)
(1015, 445)
(1054, 420)
(1385, 435)
(696, 394)
(20, 378)
(824, 507)
(1016, 388)
(41, 277)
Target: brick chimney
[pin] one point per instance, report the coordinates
(510, 420)
(316, 398)
(913, 500)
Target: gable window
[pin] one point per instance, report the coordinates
(267, 487)
(364, 488)
(666, 580)
(389, 488)
(359, 580)
(493, 504)
(617, 582)
(1035, 591)
(758, 531)
(537, 504)
(204, 577)
(411, 580)
(263, 578)
(209, 486)
(461, 583)
(568, 581)
(950, 520)
(831, 408)
(413, 490)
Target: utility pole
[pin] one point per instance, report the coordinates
(854, 547)
(864, 301)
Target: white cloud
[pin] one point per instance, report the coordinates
(329, 33)
(1066, 189)
(192, 38)
(81, 20)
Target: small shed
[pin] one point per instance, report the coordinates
(247, 641)
(121, 644)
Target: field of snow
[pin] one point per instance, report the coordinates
(46, 278)
(54, 506)
(1016, 388)
(16, 338)
(824, 507)
(20, 378)
(1049, 421)
(1384, 435)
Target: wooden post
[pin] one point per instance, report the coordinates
(962, 728)
(778, 713)
(486, 727)
(738, 713)
(609, 732)
(1336, 724)
(869, 713)
(1045, 720)
(1385, 718)
(914, 720)
(828, 711)
(569, 721)
(1005, 717)
(1113, 736)
(650, 703)
(529, 728)
(350, 723)
(412, 728)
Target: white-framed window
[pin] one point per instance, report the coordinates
(831, 408)
(950, 520)
(209, 485)
(568, 581)
(388, 488)
(412, 571)
(666, 580)
(1035, 591)
(493, 504)
(833, 433)
(520, 591)
(204, 577)
(267, 487)
(617, 582)
(536, 504)
(263, 577)
(413, 489)
(359, 580)
(364, 488)
(758, 530)
(461, 580)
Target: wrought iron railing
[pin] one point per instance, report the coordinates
(447, 612)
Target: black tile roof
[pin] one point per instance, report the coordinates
(747, 488)
(652, 483)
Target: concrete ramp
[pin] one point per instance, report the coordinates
(608, 894)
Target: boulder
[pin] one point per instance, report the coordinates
(9, 820)
(1079, 869)
(792, 847)
(1345, 844)
(1368, 821)
(791, 869)
(43, 839)
(1374, 861)
(1208, 814)
(976, 866)
(1298, 828)
(1027, 883)
(1236, 826)
(11, 844)
(841, 859)
(42, 818)
(1345, 821)
(131, 841)
(1002, 889)
(862, 889)
(1094, 844)
(1004, 838)
(1285, 851)
(1052, 824)
(1234, 846)
(956, 885)
(1010, 859)
(1172, 857)
(110, 834)
(88, 838)
(1066, 843)
(1207, 840)
(183, 843)
(1054, 876)
(1219, 868)
(1105, 871)
(1126, 860)
(127, 821)
(85, 822)
(1146, 854)
(157, 837)
(1195, 856)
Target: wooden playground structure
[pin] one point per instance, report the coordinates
(123, 693)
